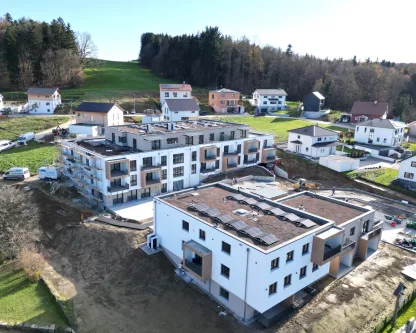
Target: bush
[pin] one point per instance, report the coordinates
(31, 262)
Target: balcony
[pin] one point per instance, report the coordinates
(150, 181)
(197, 260)
(368, 242)
(229, 163)
(231, 153)
(329, 252)
(348, 246)
(113, 189)
(151, 167)
(117, 168)
(249, 162)
(207, 170)
(268, 155)
(327, 245)
(251, 146)
(208, 154)
(118, 173)
(376, 231)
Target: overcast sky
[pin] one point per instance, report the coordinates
(325, 28)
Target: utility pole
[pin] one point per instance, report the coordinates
(398, 293)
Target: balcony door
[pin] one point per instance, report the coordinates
(365, 227)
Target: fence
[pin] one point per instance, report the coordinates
(387, 319)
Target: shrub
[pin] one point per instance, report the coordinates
(31, 262)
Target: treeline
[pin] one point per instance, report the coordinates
(38, 54)
(210, 59)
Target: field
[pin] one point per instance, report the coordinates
(23, 301)
(33, 156)
(277, 126)
(11, 128)
(383, 176)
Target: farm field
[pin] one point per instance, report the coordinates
(24, 301)
(10, 128)
(277, 126)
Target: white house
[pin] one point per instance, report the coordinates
(43, 100)
(174, 91)
(1, 102)
(379, 132)
(313, 141)
(255, 256)
(142, 160)
(407, 172)
(269, 99)
(180, 109)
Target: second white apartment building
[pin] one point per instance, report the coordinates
(143, 160)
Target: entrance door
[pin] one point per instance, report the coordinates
(298, 148)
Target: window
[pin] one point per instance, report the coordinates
(211, 137)
(289, 256)
(222, 102)
(177, 158)
(408, 175)
(232, 135)
(319, 139)
(177, 172)
(305, 248)
(314, 267)
(155, 144)
(265, 96)
(322, 150)
(233, 95)
(92, 118)
(302, 273)
(122, 139)
(358, 128)
(164, 188)
(298, 136)
(413, 164)
(212, 96)
(193, 168)
(226, 149)
(147, 161)
(163, 160)
(175, 94)
(225, 271)
(226, 248)
(384, 140)
(201, 139)
(224, 293)
(222, 136)
(189, 140)
(172, 140)
(164, 174)
(352, 231)
(307, 149)
(193, 156)
(217, 164)
(378, 139)
(273, 288)
(288, 280)
(134, 143)
(178, 185)
(185, 94)
(133, 180)
(238, 149)
(47, 103)
(274, 263)
(133, 165)
(78, 115)
(222, 95)
(185, 225)
(166, 94)
(265, 102)
(365, 129)
(201, 234)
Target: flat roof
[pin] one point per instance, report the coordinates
(269, 192)
(329, 233)
(85, 124)
(103, 147)
(328, 208)
(214, 196)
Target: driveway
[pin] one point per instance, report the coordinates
(372, 162)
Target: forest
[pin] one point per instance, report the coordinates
(41, 54)
(210, 59)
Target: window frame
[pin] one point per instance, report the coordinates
(224, 292)
(285, 283)
(202, 233)
(303, 272)
(185, 225)
(224, 248)
(273, 289)
(307, 249)
(275, 260)
(290, 254)
(225, 271)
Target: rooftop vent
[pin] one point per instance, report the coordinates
(240, 212)
(375, 102)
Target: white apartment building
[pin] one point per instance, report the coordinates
(174, 91)
(143, 160)
(380, 132)
(180, 109)
(313, 141)
(258, 257)
(269, 99)
(43, 100)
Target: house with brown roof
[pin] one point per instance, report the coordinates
(174, 91)
(363, 111)
(225, 101)
(43, 100)
(180, 109)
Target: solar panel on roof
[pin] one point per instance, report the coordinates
(238, 225)
(200, 207)
(253, 232)
(224, 218)
(269, 239)
(264, 206)
(307, 223)
(236, 197)
(291, 217)
(212, 212)
(249, 201)
(277, 212)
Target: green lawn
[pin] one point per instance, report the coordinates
(348, 150)
(276, 126)
(33, 156)
(383, 176)
(409, 312)
(10, 128)
(23, 301)
(410, 145)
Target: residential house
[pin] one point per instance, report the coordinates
(174, 91)
(225, 101)
(412, 129)
(363, 111)
(142, 160)
(269, 99)
(380, 132)
(43, 100)
(407, 173)
(257, 257)
(180, 109)
(313, 101)
(313, 141)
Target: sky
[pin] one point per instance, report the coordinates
(380, 29)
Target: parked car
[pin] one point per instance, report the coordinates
(49, 173)
(17, 173)
(132, 111)
(6, 144)
(24, 138)
(203, 113)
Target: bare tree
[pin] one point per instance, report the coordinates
(19, 220)
(26, 77)
(86, 48)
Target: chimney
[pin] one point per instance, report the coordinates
(184, 82)
(375, 102)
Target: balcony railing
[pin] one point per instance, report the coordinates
(197, 269)
(120, 188)
(152, 181)
(152, 166)
(376, 231)
(207, 170)
(210, 157)
(231, 165)
(118, 173)
(250, 162)
(349, 245)
(252, 150)
(270, 158)
(230, 153)
(329, 253)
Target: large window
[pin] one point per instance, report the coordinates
(147, 161)
(178, 172)
(302, 273)
(193, 156)
(288, 280)
(224, 293)
(408, 175)
(122, 139)
(226, 248)
(164, 174)
(163, 160)
(185, 225)
(305, 248)
(172, 140)
(177, 158)
(164, 188)
(133, 165)
(274, 263)
(178, 185)
(133, 180)
(193, 168)
(289, 256)
(189, 140)
(155, 144)
(225, 271)
(273, 288)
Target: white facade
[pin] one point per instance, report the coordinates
(44, 104)
(407, 170)
(177, 115)
(174, 94)
(270, 102)
(339, 163)
(84, 129)
(305, 146)
(379, 136)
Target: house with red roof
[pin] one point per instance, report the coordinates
(363, 111)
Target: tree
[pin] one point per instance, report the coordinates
(289, 51)
(19, 220)
(86, 48)
(354, 61)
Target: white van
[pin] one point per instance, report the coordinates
(49, 173)
(6, 144)
(17, 173)
(24, 138)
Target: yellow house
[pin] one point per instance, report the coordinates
(225, 101)
(101, 114)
